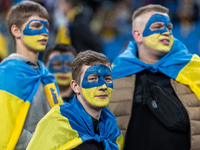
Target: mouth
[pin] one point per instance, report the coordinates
(42, 41)
(102, 96)
(63, 77)
(164, 41)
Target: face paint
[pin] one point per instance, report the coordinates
(32, 36)
(92, 91)
(60, 66)
(63, 79)
(152, 37)
(60, 61)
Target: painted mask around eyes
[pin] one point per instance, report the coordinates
(62, 73)
(32, 36)
(91, 90)
(152, 37)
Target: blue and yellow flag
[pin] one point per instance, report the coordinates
(69, 125)
(19, 83)
(178, 64)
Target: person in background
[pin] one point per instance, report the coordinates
(76, 30)
(58, 59)
(85, 123)
(27, 89)
(156, 86)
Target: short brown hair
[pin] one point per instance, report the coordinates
(20, 13)
(149, 8)
(60, 48)
(90, 58)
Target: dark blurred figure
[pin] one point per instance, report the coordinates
(75, 29)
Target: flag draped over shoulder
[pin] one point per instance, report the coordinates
(69, 125)
(18, 84)
(178, 64)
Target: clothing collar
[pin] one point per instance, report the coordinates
(127, 63)
(81, 121)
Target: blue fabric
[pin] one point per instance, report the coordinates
(19, 79)
(127, 63)
(81, 121)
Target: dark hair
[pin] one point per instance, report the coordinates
(20, 13)
(60, 48)
(90, 58)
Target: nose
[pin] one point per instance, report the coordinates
(166, 33)
(103, 87)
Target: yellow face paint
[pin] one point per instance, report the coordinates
(63, 79)
(32, 41)
(158, 33)
(153, 42)
(96, 97)
(36, 34)
(97, 85)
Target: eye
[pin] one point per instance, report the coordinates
(169, 27)
(57, 64)
(68, 64)
(156, 26)
(92, 78)
(108, 79)
(36, 25)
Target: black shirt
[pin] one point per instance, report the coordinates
(145, 131)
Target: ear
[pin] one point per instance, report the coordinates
(137, 35)
(75, 87)
(15, 31)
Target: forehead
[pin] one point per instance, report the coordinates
(149, 15)
(85, 67)
(59, 53)
(33, 17)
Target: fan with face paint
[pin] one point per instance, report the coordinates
(158, 33)
(97, 85)
(60, 66)
(36, 34)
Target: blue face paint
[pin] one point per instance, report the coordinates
(30, 32)
(101, 71)
(157, 18)
(61, 58)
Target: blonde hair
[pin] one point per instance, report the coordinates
(148, 8)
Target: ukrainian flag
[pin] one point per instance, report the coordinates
(18, 85)
(178, 64)
(69, 125)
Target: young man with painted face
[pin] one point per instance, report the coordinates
(84, 123)
(58, 59)
(156, 87)
(27, 89)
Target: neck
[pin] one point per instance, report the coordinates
(65, 91)
(150, 56)
(25, 52)
(95, 113)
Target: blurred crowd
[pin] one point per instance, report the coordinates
(110, 21)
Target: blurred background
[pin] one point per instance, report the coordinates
(110, 21)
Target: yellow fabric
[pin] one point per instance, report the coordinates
(52, 95)
(72, 144)
(190, 75)
(120, 142)
(54, 132)
(13, 112)
(3, 47)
